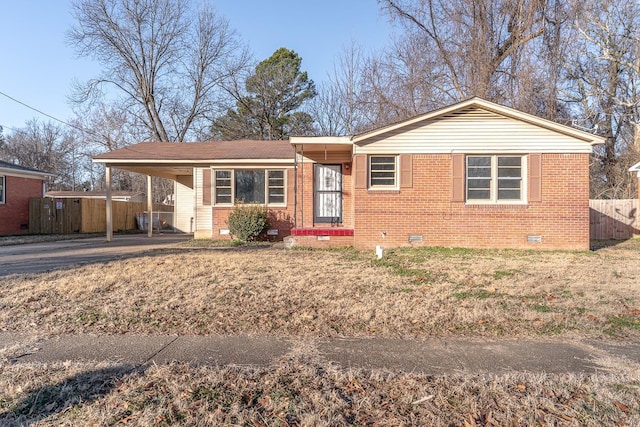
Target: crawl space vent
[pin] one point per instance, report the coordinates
(415, 238)
(534, 239)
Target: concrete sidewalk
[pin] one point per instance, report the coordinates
(431, 356)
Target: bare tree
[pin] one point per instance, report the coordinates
(111, 129)
(347, 85)
(478, 42)
(448, 51)
(339, 108)
(327, 110)
(46, 147)
(164, 62)
(402, 81)
(603, 88)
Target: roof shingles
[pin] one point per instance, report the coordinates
(199, 151)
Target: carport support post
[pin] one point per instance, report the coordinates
(107, 176)
(149, 207)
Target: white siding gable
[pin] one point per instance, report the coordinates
(472, 131)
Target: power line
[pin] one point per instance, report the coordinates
(50, 116)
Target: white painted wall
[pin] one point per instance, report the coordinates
(204, 214)
(184, 208)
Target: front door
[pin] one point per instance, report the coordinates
(327, 188)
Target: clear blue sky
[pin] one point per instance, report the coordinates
(38, 68)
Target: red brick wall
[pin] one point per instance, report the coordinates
(333, 242)
(305, 195)
(561, 218)
(15, 211)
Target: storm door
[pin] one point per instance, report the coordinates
(327, 189)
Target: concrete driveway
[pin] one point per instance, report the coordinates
(41, 257)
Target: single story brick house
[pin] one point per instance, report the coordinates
(17, 185)
(473, 174)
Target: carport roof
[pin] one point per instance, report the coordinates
(174, 159)
(200, 151)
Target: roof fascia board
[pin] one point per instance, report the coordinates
(24, 174)
(320, 140)
(194, 163)
(472, 150)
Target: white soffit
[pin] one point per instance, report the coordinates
(320, 140)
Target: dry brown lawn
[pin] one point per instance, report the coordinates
(301, 391)
(409, 293)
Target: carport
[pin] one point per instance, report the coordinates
(172, 162)
(189, 166)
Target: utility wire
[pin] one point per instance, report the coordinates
(50, 116)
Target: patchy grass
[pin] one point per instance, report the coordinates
(541, 308)
(302, 390)
(316, 293)
(620, 324)
(210, 243)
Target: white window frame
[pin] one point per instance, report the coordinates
(214, 196)
(396, 179)
(493, 199)
(3, 186)
(267, 187)
(233, 186)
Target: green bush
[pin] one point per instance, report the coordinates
(247, 222)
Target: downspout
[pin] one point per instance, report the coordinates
(194, 218)
(150, 208)
(295, 186)
(109, 212)
(175, 205)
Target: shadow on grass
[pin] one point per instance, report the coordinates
(596, 245)
(65, 396)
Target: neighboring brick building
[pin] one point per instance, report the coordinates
(474, 174)
(17, 185)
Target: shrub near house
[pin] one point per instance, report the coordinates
(248, 222)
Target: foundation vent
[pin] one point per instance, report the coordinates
(415, 238)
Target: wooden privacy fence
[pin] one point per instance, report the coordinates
(614, 219)
(67, 216)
